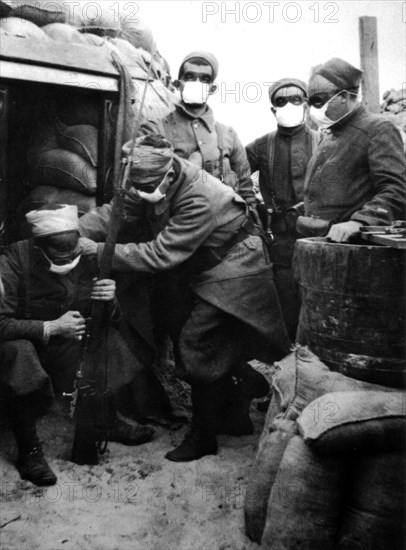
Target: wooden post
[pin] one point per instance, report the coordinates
(369, 62)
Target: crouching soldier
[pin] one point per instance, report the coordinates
(48, 287)
(229, 311)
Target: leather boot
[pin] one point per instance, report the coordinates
(31, 462)
(201, 439)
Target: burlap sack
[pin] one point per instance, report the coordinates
(304, 506)
(359, 421)
(375, 511)
(303, 377)
(137, 33)
(23, 28)
(94, 16)
(64, 33)
(80, 139)
(39, 12)
(128, 54)
(61, 168)
(262, 476)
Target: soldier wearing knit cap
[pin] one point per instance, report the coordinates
(281, 158)
(194, 132)
(357, 176)
(218, 303)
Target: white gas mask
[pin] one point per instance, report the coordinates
(195, 93)
(160, 192)
(63, 269)
(319, 116)
(289, 115)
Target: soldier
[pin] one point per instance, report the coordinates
(281, 157)
(357, 176)
(230, 311)
(194, 132)
(48, 286)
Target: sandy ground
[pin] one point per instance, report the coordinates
(133, 499)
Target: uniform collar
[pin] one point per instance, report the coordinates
(289, 132)
(207, 118)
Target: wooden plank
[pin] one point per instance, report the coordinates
(393, 241)
(369, 62)
(83, 58)
(10, 70)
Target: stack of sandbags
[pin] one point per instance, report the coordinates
(394, 106)
(62, 162)
(301, 378)
(122, 23)
(340, 484)
(88, 23)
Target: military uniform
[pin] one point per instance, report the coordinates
(220, 151)
(198, 229)
(358, 172)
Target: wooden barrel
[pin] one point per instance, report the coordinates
(353, 308)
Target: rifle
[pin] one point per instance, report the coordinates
(89, 397)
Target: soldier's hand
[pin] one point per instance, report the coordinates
(70, 325)
(104, 290)
(88, 246)
(341, 232)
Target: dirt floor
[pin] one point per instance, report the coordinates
(133, 499)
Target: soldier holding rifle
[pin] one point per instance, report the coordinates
(230, 311)
(48, 285)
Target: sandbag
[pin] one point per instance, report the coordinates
(342, 422)
(137, 33)
(39, 12)
(80, 139)
(61, 168)
(127, 52)
(262, 476)
(95, 16)
(374, 516)
(303, 377)
(306, 499)
(22, 27)
(64, 33)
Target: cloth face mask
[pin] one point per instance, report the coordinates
(290, 115)
(195, 93)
